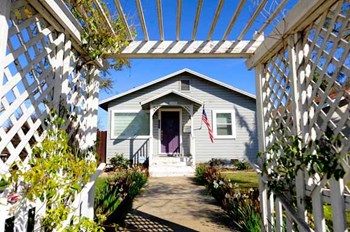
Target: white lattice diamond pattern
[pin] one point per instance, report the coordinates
(33, 83)
(277, 97)
(320, 87)
(328, 56)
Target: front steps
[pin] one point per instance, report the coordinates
(171, 166)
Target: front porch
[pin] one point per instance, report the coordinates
(172, 140)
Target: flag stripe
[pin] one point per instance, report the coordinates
(206, 121)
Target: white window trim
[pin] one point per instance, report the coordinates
(113, 136)
(233, 125)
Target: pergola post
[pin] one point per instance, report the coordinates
(4, 17)
(259, 79)
(298, 95)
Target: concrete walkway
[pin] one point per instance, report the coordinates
(176, 204)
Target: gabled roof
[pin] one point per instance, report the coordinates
(171, 91)
(104, 103)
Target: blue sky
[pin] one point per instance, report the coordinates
(230, 71)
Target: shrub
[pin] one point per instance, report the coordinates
(243, 208)
(216, 162)
(117, 191)
(119, 162)
(201, 169)
(241, 164)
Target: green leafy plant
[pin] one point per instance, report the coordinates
(241, 164)
(216, 162)
(98, 36)
(118, 161)
(242, 207)
(290, 154)
(200, 171)
(54, 175)
(118, 191)
(83, 224)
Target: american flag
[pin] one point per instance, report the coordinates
(205, 120)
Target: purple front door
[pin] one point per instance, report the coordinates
(170, 132)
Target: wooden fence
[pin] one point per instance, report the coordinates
(101, 146)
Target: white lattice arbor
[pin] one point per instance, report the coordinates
(304, 87)
(40, 57)
(302, 76)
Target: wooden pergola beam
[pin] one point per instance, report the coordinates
(142, 19)
(252, 19)
(233, 19)
(272, 16)
(188, 49)
(104, 16)
(123, 19)
(215, 20)
(178, 19)
(160, 19)
(196, 20)
(301, 15)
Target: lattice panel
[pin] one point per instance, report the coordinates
(277, 98)
(28, 82)
(37, 78)
(327, 41)
(82, 91)
(312, 101)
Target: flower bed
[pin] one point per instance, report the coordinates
(114, 194)
(242, 207)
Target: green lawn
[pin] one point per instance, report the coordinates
(245, 179)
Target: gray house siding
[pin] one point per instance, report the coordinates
(214, 97)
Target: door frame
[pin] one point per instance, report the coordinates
(160, 128)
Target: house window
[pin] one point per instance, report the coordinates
(185, 85)
(130, 124)
(224, 124)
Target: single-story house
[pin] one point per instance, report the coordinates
(161, 123)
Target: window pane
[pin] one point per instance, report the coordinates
(185, 85)
(224, 130)
(131, 124)
(223, 118)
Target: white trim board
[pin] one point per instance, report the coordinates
(169, 92)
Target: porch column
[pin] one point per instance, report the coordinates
(151, 112)
(193, 139)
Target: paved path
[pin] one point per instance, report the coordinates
(176, 204)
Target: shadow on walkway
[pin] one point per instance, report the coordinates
(176, 204)
(139, 221)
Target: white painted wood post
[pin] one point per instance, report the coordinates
(91, 108)
(294, 48)
(317, 209)
(94, 107)
(279, 216)
(65, 71)
(338, 205)
(151, 113)
(58, 65)
(5, 10)
(259, 79)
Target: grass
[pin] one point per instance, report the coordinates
(100, 182)
(327, 209)
(245, 179)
